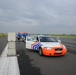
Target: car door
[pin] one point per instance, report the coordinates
(29, 42)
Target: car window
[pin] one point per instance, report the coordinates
(28, 39)
(47, 39)
(33, 39)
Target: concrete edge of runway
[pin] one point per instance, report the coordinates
(8, 65)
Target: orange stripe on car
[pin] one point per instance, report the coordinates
(34, 44)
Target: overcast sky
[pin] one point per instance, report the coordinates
(38, 16)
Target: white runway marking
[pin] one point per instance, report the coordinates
(8, 65)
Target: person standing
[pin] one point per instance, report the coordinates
(19, 36)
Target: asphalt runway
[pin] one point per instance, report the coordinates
(3, 42)
(70, 44)
(30, 63)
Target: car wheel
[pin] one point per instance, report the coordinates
(40, 52)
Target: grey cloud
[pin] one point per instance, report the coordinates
(38, 16)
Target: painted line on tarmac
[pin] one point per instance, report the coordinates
(8, 65)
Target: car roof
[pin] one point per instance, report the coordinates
(43, 36)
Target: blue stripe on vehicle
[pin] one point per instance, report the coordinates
(36, 46)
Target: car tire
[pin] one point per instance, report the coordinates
(40, 52)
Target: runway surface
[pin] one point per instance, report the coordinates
(31, 63)
(3, 42)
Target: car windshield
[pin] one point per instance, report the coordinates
(47, 39)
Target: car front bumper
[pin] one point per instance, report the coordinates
(53, 52)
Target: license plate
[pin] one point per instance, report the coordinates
(58, 51)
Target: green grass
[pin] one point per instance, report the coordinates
(2, 35)
(63, 36)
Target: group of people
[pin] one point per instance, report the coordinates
(22, 36)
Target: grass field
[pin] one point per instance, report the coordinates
(60, 35)
(63, 36)
(55, 35)
(2, 35)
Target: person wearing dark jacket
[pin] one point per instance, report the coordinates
(19, 36)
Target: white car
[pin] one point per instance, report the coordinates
(46, 45)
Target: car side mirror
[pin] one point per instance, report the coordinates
(59, 41)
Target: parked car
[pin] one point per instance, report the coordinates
(46, 45)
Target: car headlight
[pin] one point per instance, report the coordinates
(48, 48)
(64, 47)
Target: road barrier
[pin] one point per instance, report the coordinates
(8, 58)
(11, 44)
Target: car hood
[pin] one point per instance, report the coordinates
(51, 44)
